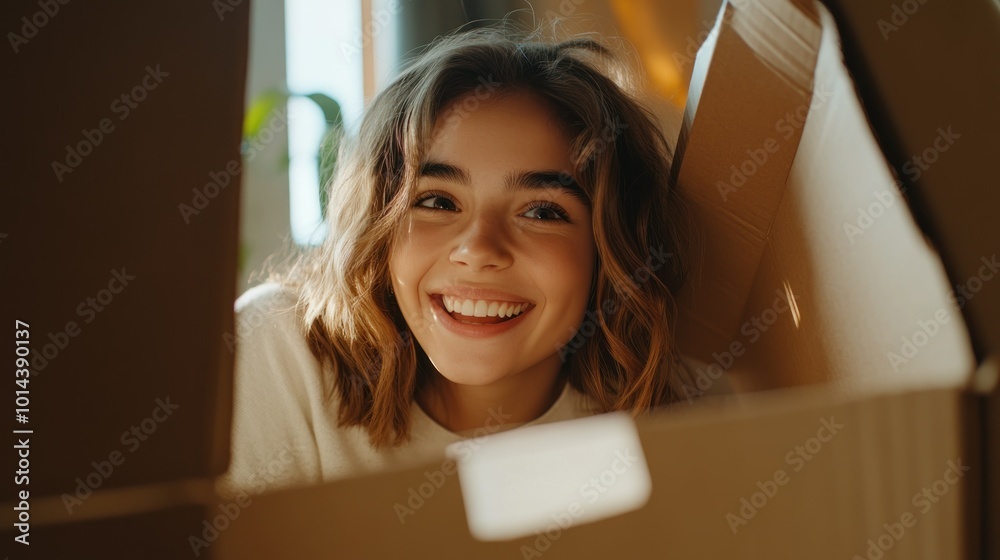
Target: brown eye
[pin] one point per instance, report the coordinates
(434, 201)
(546, 212)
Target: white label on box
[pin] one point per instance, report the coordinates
(529, 480)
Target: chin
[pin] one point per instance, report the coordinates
(475, 373)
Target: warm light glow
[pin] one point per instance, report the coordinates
(796, 315)
(655, 50)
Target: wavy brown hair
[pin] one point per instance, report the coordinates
(625, 358)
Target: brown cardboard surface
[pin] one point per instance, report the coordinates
(155, 535)
(926, 67)
(814, 267)
(921, 68)
(77, 234)
(704, 462)
(871, 298)
(733, 175)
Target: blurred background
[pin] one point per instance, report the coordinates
(315, 64)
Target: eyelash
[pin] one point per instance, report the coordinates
(558, 210)
(550, 206)
(429, 195)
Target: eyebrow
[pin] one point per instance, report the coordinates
(532, 180)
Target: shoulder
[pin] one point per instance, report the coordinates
(266, 301)
(271, 344)
(267, 320)
(277, 385)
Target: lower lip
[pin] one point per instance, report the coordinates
(468, 329)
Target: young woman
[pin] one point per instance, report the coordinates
(505, 242)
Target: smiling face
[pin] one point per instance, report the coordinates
(492, 265)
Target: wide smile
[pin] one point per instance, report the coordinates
(478, 318)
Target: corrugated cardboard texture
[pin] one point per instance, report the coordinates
(127, 302)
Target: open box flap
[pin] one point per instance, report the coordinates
(924, 66)
(811, 268)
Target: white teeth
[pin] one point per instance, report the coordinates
(482, 307)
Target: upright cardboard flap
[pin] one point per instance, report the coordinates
(848, 289)
(922, 67)
(811, 268)
(750, 93)
(119, 242)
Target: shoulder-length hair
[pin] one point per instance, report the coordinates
(624, 355)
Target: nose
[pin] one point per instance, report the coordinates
(483, 245)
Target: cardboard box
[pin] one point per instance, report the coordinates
(856, 434)
(706, 465)
(122, 118)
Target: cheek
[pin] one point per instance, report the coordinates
(566, 270)
(584, 250)
(416, 251)
(416, 238)
(411, 256)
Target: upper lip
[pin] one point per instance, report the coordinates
(471, 292)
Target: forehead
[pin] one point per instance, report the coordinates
(513, 129)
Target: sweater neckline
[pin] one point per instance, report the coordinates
(437, 431)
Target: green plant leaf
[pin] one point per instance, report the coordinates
(267, 102)
(260, 109)
(331, 109)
